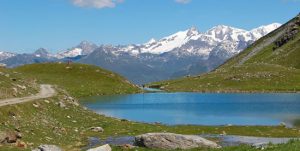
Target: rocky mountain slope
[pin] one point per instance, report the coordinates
(188, 52)
(270, 64)
(5, 55)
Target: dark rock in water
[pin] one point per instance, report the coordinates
(173, 141)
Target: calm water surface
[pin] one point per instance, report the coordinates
(201, 109)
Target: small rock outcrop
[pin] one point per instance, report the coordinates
(97, 129)
(62, 104)
(47, 148)
(128, 147)
(101, 148)
(290, 33)
(173, 141)
(9, 137)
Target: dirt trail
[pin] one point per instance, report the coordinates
(46, 91)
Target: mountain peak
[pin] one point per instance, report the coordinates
(41, 51)
(193, 28)
(223, 32)
(265, 29)
(224, 29)
(151, 41)
(85, 43)
(192, 31)
(87, 47)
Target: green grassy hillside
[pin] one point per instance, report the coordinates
(272, 64)
(14, 84)
(78, 79)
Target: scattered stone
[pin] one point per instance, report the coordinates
(35, 105)
(47, 101)
(101, 148)
(128, 147)
(11, 114)
(2, 65)
(261, 146)
(61, 105)
(22, 87)
(21, 144)
(70, 98)
(97, 129)
(172, 141)
(15, 90)
(224, 133)
(2, 137)
(47, 148)
(49, 138)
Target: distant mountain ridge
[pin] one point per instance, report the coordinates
(184, 53)
(271, 64)
(5, 55)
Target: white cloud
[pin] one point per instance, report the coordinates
(183, 1)
(96, 3)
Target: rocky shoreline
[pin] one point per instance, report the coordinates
(221, 140)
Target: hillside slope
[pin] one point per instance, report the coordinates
(78, 79)
(14, 84)
(272, 64)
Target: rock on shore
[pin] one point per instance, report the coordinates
(173, 141)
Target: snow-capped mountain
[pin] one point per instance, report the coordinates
(183, 53)
(187, 52)
(5, 55)
(218, 35)
(84, 48)
(43, 53)
(264, 30)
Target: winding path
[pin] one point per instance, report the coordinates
(46, 91)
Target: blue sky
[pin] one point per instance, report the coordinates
(60, 24)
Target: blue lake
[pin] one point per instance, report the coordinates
(200, 109)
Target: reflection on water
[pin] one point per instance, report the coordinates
(202, 109)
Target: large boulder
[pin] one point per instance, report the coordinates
(101, 148)
(173, 141)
